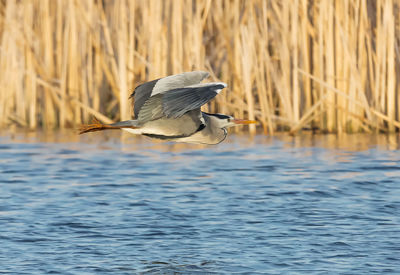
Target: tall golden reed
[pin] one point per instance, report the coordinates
(291, 64)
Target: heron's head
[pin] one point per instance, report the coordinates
(224, 121)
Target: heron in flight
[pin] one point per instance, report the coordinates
(169, 108)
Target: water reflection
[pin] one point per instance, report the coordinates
(351, 142)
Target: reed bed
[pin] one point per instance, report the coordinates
(329, 66)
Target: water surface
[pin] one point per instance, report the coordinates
(286, 205)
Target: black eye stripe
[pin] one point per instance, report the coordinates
(219, 116)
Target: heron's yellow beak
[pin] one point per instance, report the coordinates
(244, 121)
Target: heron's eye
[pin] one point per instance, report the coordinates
(229, 119)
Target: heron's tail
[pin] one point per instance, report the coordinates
(96, 125)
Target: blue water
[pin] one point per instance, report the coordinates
(259, 206)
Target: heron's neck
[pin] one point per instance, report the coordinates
(214, 133)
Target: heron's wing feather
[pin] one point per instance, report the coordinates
(151, 109)
(159, 86)
(141, 94)
(177, 102)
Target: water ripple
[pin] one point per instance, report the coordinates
(268, 208)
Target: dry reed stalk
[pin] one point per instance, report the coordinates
(75, 101)
(94, 52)
(373, 111)
(47, 53)
(329, 55)
(263, 87)
(294, 44)
(62, 58)
(342, 64)
(246, 70)
(285, 63)
(306, 117)
(305, 58)
(391, 73)
(122, 37)
(30, 76)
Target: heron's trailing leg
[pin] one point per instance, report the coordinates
(96, 125)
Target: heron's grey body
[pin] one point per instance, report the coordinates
(169, 108)
(193, 127)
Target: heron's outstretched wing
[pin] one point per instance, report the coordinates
(176, 102)
(179, 101)
(141, 94)
(159, 86)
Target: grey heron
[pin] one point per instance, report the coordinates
(169, 108)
